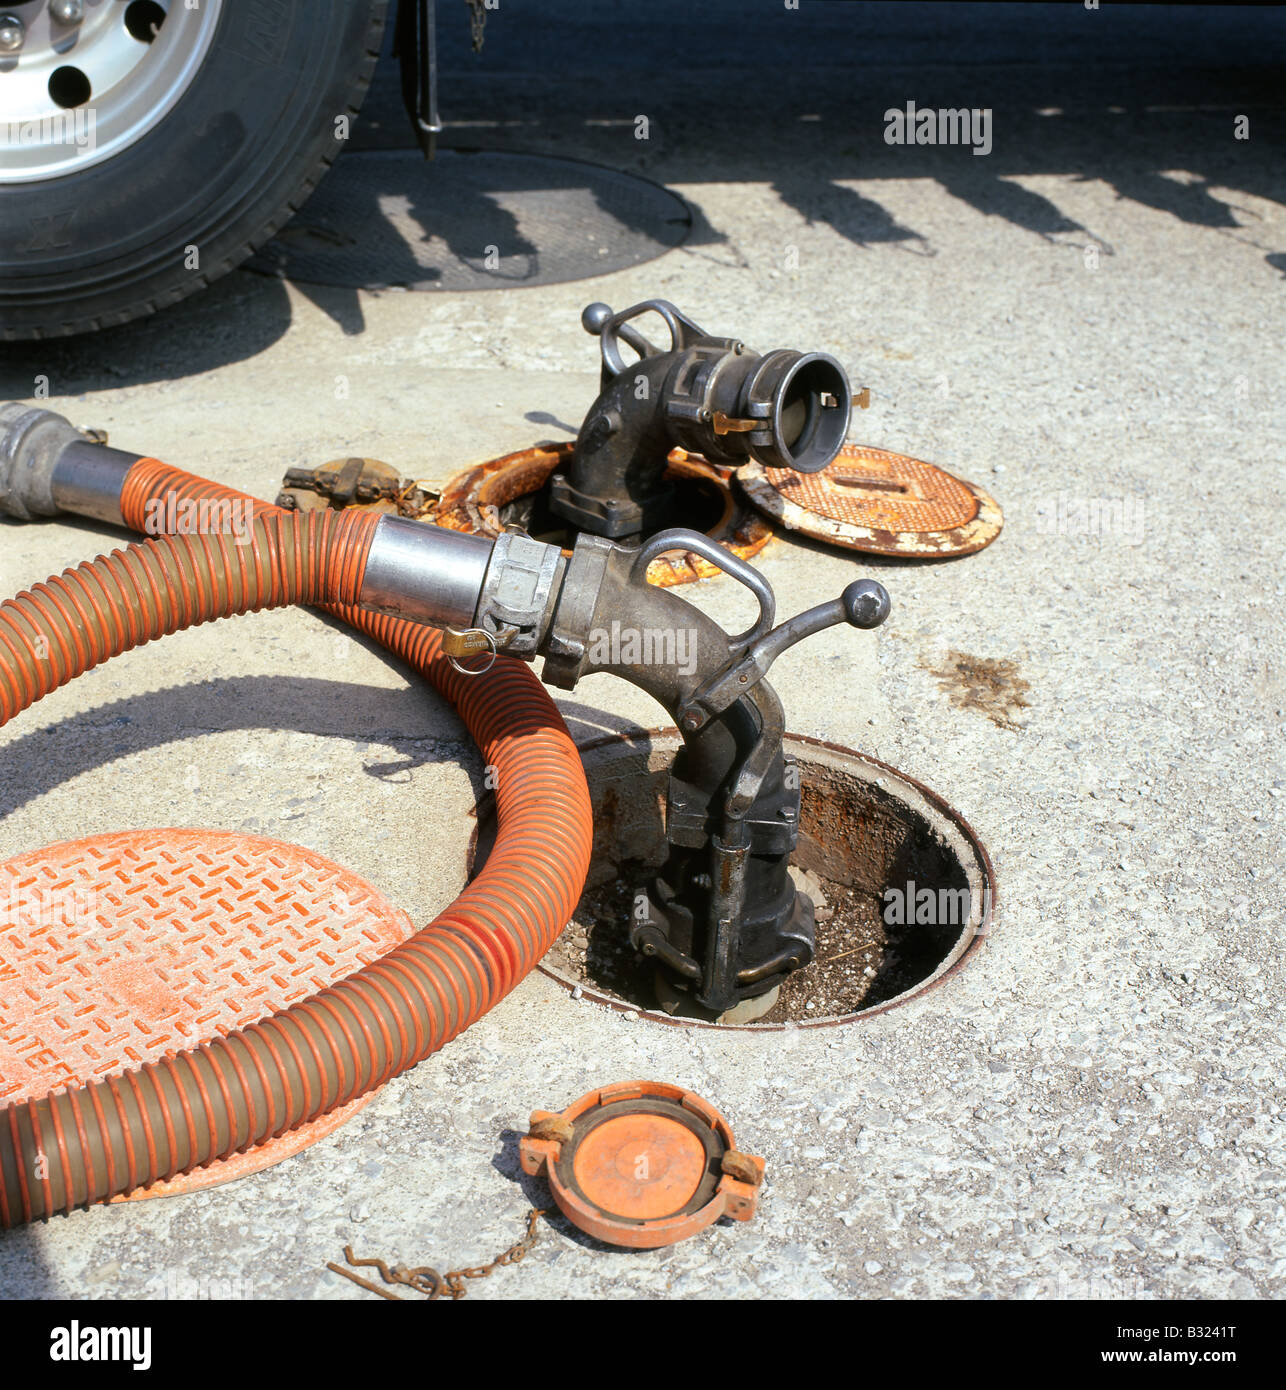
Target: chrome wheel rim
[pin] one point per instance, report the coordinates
(73, 95)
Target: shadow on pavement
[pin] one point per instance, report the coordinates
(1152, 101)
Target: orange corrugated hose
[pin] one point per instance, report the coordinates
(89, 1143)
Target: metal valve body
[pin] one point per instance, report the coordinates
(722, 917)
(711, 396)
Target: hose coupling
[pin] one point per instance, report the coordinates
(709, 395)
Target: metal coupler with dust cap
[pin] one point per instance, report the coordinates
(722, 917)
(711, 396)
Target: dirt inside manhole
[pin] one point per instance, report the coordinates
(905, 891)
(860, 960)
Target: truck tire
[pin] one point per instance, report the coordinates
(212, 126)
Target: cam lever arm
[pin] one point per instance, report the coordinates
(864, 603)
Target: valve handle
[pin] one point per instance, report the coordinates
(863, 604)
(599, 320)
(679, 539)
(866, 603)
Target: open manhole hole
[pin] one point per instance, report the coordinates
(480, 220)
(909, 890)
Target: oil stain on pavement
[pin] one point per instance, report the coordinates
(989, 684)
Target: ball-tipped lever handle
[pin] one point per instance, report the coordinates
(864, 603)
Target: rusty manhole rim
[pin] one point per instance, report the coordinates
(740, 529)
(978, 935)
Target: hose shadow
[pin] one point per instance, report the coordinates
(585, 723)
(37, 762)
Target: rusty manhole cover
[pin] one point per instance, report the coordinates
(123, 948)
(878, 502)
(513, 490)
(909, 890)
(472, 220)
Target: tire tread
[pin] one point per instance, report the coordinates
(313, 174)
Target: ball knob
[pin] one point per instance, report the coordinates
(594, 316)
(866, 603)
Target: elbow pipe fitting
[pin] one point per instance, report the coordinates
(708, 395)
(722, 915)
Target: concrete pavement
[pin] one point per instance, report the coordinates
(1088, 322)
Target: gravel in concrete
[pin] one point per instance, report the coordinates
(1087, 321)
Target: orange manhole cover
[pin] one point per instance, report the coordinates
(120, 949)
(879, 502)
(472, 499)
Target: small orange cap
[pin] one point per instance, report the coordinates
(642, 1164)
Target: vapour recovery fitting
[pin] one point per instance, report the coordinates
(711, 396)
(722, 917)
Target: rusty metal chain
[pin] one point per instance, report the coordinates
(426, 1280)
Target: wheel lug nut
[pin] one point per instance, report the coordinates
(67, 11)
(12, 33)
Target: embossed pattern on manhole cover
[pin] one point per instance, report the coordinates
(471, 221)
(876, 501)
(118, 949)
